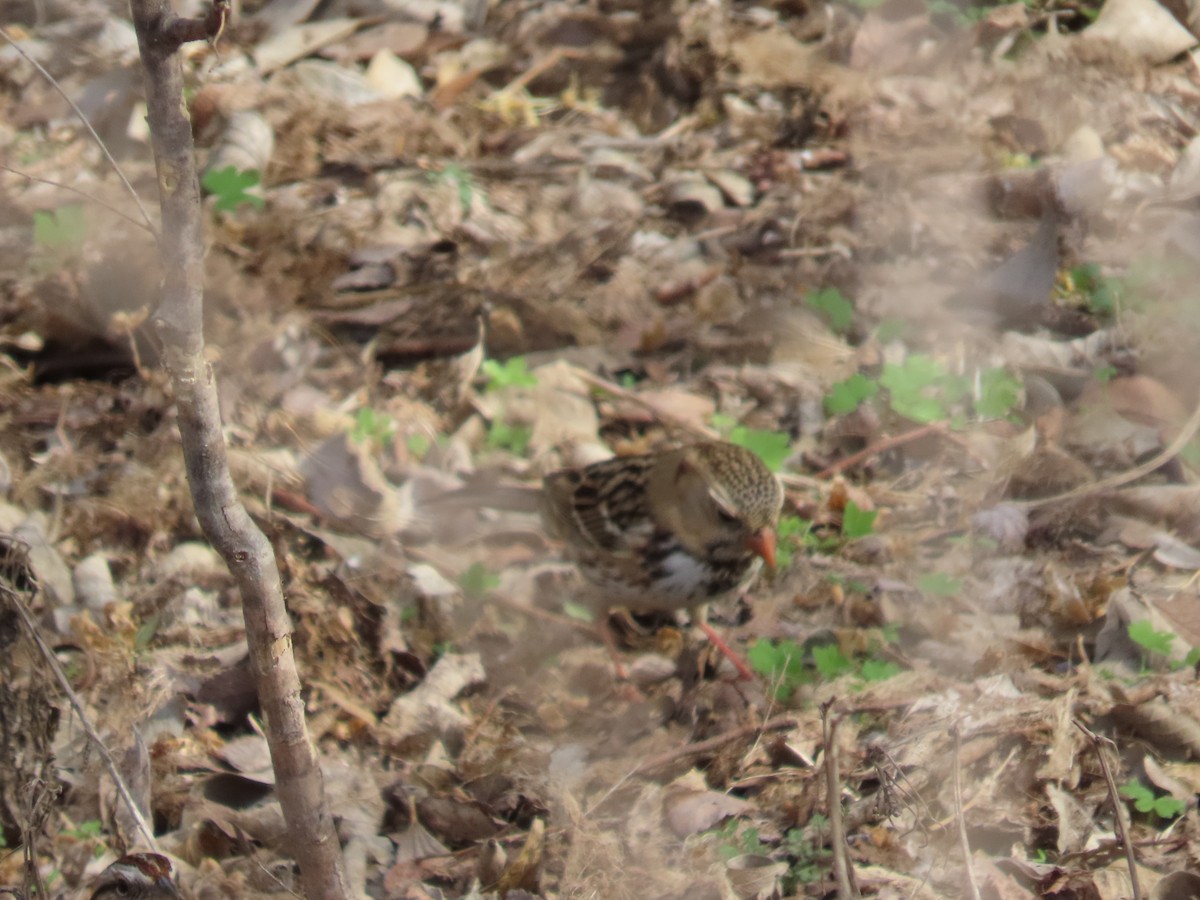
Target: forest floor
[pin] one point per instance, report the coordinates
(936, 265)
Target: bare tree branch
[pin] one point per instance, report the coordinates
(224, 519)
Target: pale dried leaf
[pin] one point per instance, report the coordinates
(1074, 820)
(427, 709)
(298, 41)
(1142, 28)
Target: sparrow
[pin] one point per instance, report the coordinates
(138, 876)
(667, 531)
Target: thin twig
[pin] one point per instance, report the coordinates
(708, 745)
(91, 198)
(65, 685)
(1119, 815)
(247, 552)
(847, 884)
(86, 124)
(960, 818)
(705, 746)
(889, 443)
(1186, 433)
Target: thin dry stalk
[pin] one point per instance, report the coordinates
(961, 819)
(91, 198)
(889, 443)
(847, 883)
(699, 748)
(89, 729)
(1119, 817)
(1182, 439)
(86, 124)
(227, 525)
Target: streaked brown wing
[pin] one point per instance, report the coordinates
(603, 504)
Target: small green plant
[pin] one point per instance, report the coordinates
(781, 663)
(477, 581)
(513, 438)
(856, 522)
(1105, 374)
(922, 390)
(1145, 636)
(735, 838)
(1103, 294)
(889, 330)
(85, 831)
(462, 180)
(914, 388)
(791, 532)
(998, 395)
(939, 584)
(846, 396)
(806, 847)
(146, 632)
(418, 444)
(89, 832)
(1145, 801)
(874, 669)
(772, 447)
(833, 307)
(831, 662)
(61, 230)
(372, 429)
(512, 373)
(231, 187)
(803, 847)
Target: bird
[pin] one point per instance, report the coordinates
(668, 530)
(138, 876)
(1017, 293)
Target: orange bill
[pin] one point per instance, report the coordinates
(763, 544)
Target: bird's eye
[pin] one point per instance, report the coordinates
(122, 888)
(727, 517)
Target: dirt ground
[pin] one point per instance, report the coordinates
(937, 265)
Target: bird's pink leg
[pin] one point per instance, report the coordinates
(700, 620)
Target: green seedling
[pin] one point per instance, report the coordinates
(1145, 636)
(802, 847)
(418, 444)
(856, 522)
(511, 373)
(477, 581)
(1103, 294)
(513, 438)
(831, 662)
(792, 531)
(1145, 801)
(833, 307)
(772, 447)
(846, 396)
(783, 664)
(922, 390)
(913, 388)
(372, 429)
(999, 394)
(61, 230)
(462, 180)
(231, 187)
